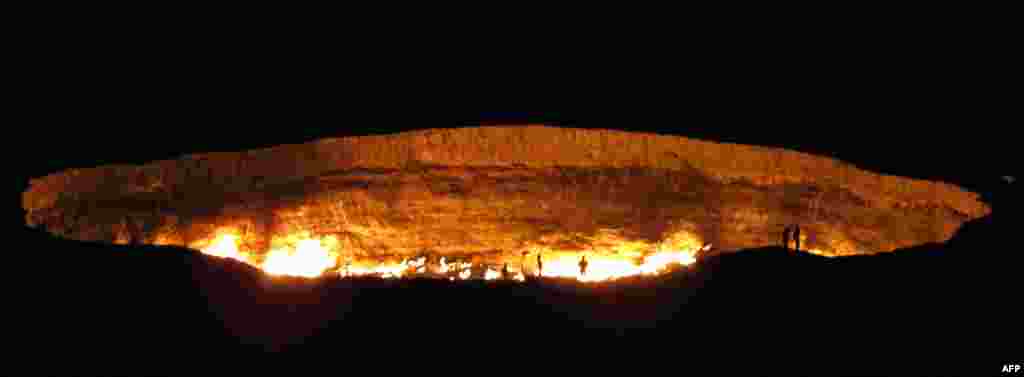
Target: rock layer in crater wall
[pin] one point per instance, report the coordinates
(493, 191)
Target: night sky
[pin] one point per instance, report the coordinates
(907, 119)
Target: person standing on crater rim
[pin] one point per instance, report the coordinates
(796, 236)
(504, 271)
(583, 265)
(540, 266)
(703, 251)
(785, 237)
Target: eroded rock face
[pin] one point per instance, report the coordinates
(495, 191)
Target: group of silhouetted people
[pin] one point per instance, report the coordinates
(540, 265)
(791, 232)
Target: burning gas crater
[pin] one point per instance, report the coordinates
(303, 255)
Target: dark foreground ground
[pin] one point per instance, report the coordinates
(949, 309)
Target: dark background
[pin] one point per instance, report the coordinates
(935, 108)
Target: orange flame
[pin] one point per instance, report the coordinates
(491, 274)
(679, 249)
(309, 259)
(302, 255)
(225, 245)
(444, 267)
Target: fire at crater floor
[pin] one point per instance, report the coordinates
(488, 197)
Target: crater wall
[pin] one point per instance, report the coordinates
(493, 191)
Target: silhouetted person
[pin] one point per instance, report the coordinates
(785, 237)
(704, 250)
(504, 271)
(796, 236)
(583, 265)
(540, 266)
